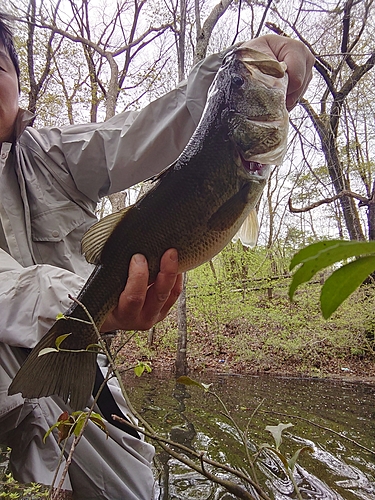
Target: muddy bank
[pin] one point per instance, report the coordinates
(204, 357)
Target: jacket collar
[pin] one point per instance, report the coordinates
(23, 119)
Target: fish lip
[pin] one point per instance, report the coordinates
(277, 120)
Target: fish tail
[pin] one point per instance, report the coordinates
(70, 375)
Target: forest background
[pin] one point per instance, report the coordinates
(86, 60)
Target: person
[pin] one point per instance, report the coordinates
(50, 182)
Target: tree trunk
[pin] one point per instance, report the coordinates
(181, 363)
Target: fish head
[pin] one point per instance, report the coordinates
(255, 112)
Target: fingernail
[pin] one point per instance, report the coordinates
(139, 259)
(173, 255)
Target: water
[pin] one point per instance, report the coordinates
(333, 418)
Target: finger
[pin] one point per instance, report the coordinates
(131, 301)
(160, 291)
(297, 57)
(133, 297)
(173, 296)
(300, 62)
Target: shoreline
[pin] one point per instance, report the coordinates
(164, 367)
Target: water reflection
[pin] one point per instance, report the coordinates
(337, 469)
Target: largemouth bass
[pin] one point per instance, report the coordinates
(196, 205)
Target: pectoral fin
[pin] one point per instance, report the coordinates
(248, 232)
(228, 214)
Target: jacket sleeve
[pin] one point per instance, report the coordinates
(31, 297)
(108, 157)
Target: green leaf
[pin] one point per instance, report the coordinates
(185, 380)
(278, 454)
(343, 282)
(311, 251)
(61, 339)
(292, 461)
(47, 350)
(79, 425)
(54, 426)
(60, 316)
(94, 347)
(276, 431)
(139, 369)
(326, 257)
(98, 420)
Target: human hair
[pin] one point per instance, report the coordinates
(6, 39)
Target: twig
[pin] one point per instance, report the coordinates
(228, 485)
(190, 463)
(54, 493)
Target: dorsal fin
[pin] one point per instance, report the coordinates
(96, 237)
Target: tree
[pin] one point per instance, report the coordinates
(345, 34)
(112, 45)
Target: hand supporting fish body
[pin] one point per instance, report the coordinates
(196, 205)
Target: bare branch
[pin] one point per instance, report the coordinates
(362, 199)
(206, 31)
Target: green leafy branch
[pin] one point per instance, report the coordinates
(97, 348)
(73, 423)
(344, 280)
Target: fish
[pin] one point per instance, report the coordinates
(196, 205)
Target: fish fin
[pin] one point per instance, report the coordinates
(96, 237)
(163, 173)
(228, 214)
(248, 232)
(70, 375)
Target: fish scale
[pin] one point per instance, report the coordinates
(196, 206)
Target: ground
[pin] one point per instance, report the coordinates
(204, 355)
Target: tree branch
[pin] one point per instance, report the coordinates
(362, 199)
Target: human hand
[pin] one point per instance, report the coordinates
(141, 306)
(297, 57)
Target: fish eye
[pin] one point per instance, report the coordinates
(238, 80)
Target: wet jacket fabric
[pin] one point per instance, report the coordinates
(50, 182)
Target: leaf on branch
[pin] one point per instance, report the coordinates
(61, 339)
(343, 282)
(311, 251)
(47, 350)
(141, 367)
(94, 347)
(276, 431)
(292, 461)
(185, 380)
(323, 254)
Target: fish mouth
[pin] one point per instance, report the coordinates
(253, 167)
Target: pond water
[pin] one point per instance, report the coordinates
(334, 418)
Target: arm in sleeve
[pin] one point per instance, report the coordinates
(30, 298)
(108, 157)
